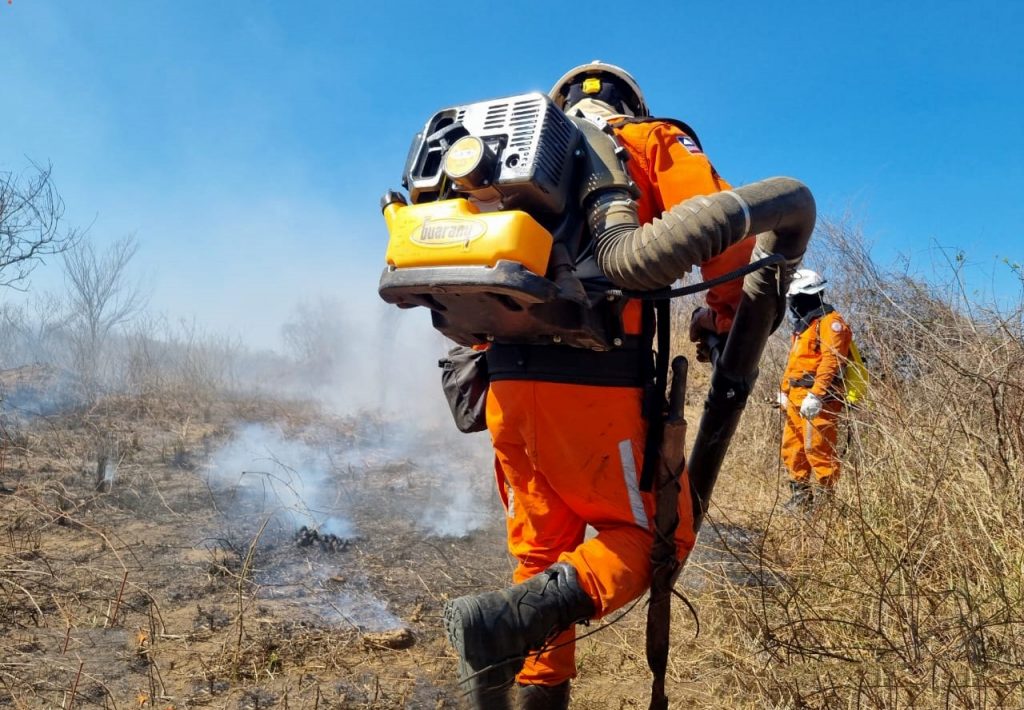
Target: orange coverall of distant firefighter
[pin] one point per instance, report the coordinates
(569, 455)
(816, 359)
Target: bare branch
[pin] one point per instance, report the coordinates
(31, 226)
(100, 299)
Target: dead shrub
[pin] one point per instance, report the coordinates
(909, 590)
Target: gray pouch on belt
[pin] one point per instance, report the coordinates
(465, 382)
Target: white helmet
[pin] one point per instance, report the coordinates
(807, 282)
(635, 101)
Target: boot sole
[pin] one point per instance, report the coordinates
(455, 612)
(484, 688)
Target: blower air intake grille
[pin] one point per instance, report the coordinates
(532, 139)
(496, 116)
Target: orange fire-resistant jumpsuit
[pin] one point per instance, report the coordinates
(816, 359)
(570, 455)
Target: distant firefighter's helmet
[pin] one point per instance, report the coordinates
(806, 282)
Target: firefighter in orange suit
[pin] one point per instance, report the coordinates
(812, 390)
(568, 431)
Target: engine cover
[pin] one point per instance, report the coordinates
(522, 158)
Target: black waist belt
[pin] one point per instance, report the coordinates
(624, 367)
(803, 381)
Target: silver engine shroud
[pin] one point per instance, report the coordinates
(532, 139)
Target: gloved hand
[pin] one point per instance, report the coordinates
(811, 406)
(702, 326)
(781, 400)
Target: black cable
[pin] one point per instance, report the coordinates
(698, 287)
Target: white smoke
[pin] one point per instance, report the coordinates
(446, 487)
(286, 478)
(361, 609)
(109, 473)
(380, 367)
(464, 498)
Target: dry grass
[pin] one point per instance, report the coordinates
(158, 591)
(908, 591)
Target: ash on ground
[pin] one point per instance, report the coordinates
(327, 542)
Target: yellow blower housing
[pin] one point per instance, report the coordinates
(491, 236)
(455, 233)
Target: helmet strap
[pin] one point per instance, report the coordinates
(592, 107)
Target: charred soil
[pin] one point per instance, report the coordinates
(135, 575)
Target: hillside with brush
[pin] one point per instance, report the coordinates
(188, 523)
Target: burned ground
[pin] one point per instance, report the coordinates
(169, 586)
(152, 555)
(251, 554)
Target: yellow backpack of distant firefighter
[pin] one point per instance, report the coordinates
(856, 378)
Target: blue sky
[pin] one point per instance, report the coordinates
(246, 144)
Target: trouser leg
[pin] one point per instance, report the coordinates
(794, 452)
(567, 456)
(820, 445)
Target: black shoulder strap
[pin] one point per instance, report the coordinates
(682, 126)
(656, 330)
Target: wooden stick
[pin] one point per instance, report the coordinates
(74, 686)
(112, 619)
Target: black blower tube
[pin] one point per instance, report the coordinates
(654, 255)
(781, 211)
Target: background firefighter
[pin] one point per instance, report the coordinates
(568, 429)
(812, 389)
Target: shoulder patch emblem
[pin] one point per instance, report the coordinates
(837, 326)
(689, 144)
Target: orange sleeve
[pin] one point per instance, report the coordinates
(835, 337)
(679, 170)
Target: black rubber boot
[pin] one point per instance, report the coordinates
(542, 697)
(493, 633)
(802, 498)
